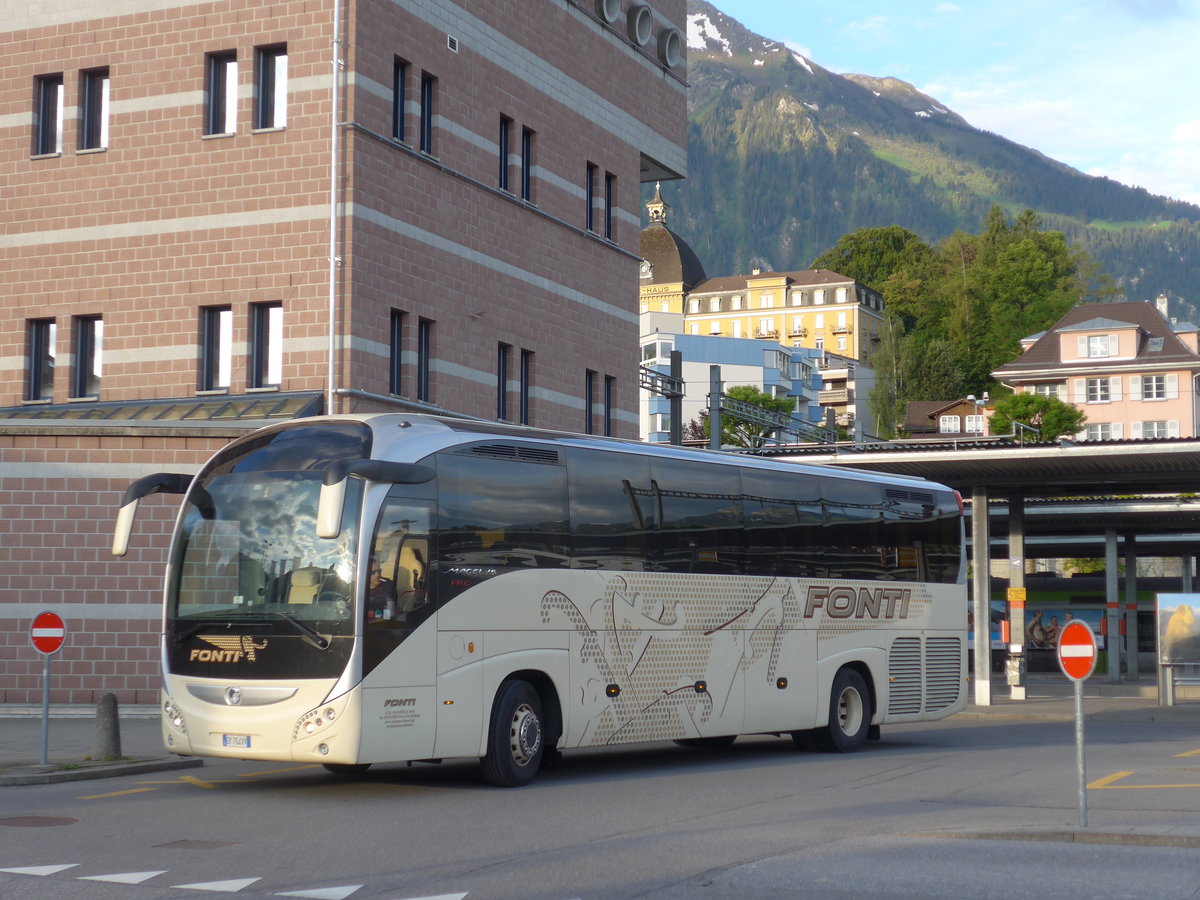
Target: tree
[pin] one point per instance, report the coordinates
(1049, 415)
(738, 432)
(872, 255)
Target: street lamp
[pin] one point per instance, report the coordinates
(978, 402)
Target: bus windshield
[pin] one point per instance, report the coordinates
(247, 552)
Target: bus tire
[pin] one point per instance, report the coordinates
(515, 736)
(849, 714)
(708, 743)
(347, 770)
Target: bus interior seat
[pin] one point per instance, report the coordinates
(305, 585)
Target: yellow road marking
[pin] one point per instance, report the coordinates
(279, 771)
(1107, 780)
(192, 779)
(1189, 753)
(1108, 783)
(117, 794)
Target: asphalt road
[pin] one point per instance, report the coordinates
(968, 807)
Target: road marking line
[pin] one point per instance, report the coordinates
(117, 794)
(1108, 780)
(279, 771)
(1189, 753)
(192, 779)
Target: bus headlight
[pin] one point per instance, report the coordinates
(316, 720)
(174, 716)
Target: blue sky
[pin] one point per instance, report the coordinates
(1110, 87)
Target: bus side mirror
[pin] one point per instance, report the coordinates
(333, 487)
(329, 509)
(159, 483)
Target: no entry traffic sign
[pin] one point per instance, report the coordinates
(1077, 651)
(48, 633)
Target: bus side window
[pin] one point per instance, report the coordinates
(397, 580)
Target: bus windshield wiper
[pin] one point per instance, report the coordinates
(319, 639)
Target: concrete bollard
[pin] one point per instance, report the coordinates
(106, 742)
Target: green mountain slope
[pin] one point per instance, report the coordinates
(785, 157)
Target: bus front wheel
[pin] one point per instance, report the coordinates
(515, 737)
(849, 714)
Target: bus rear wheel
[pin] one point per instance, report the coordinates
(515, 737)
(849, 714)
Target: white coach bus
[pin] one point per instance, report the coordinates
(369, 589)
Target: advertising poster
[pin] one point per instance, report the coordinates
(1043, 625)
(1179, 629)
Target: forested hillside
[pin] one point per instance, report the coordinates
(785, 157)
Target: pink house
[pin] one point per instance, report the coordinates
(1126, 365)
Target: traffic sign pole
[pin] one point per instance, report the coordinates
(1077, 659)
(47, 634)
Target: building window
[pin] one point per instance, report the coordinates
(1154, 387)
(266, 345)
(427, 99)
(714, 304)
(1099, 432)
(48, 115)
(1098, 390)
(527, 140)
(949, 425)
(1054, 389)
(841, 342)
(424, 358)
(737, 328)
(505, 149)
(526, 387)
(694, 328)
(221, 84)
(766, 301)
(975, 424)
(610, 388)
(610, 203)
(819, 342)
(503, 361)
(399, 90)
(1154, 430)
(1098, 345)
(818, 298)
(42, 350)
(89, 356)
(270, 87)
(590, 196)
(840, 294)
(216, 347)
(396, 353)
(93, 131)
(735, 302)
(693, 305)
(589, 401)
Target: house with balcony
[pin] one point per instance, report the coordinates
(1127, 366)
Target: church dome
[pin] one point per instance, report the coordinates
(666, 257)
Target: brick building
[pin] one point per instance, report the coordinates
(178, 176)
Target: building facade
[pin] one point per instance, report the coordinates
(777, 370)
(212, 222)
(812, 309)
(1128, 367)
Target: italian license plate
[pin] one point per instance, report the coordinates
(240, 741)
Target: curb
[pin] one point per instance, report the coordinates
(36, 774)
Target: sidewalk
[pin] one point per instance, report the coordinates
(71, 731)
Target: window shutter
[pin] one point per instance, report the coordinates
(1135, 387)
(1114, 389)
(1080, 391)
(1112, 345)
(1135, 430)
(1081, 435)
(1116, 431)
(1172, 428)
(1172, 386)
(1081, 350)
